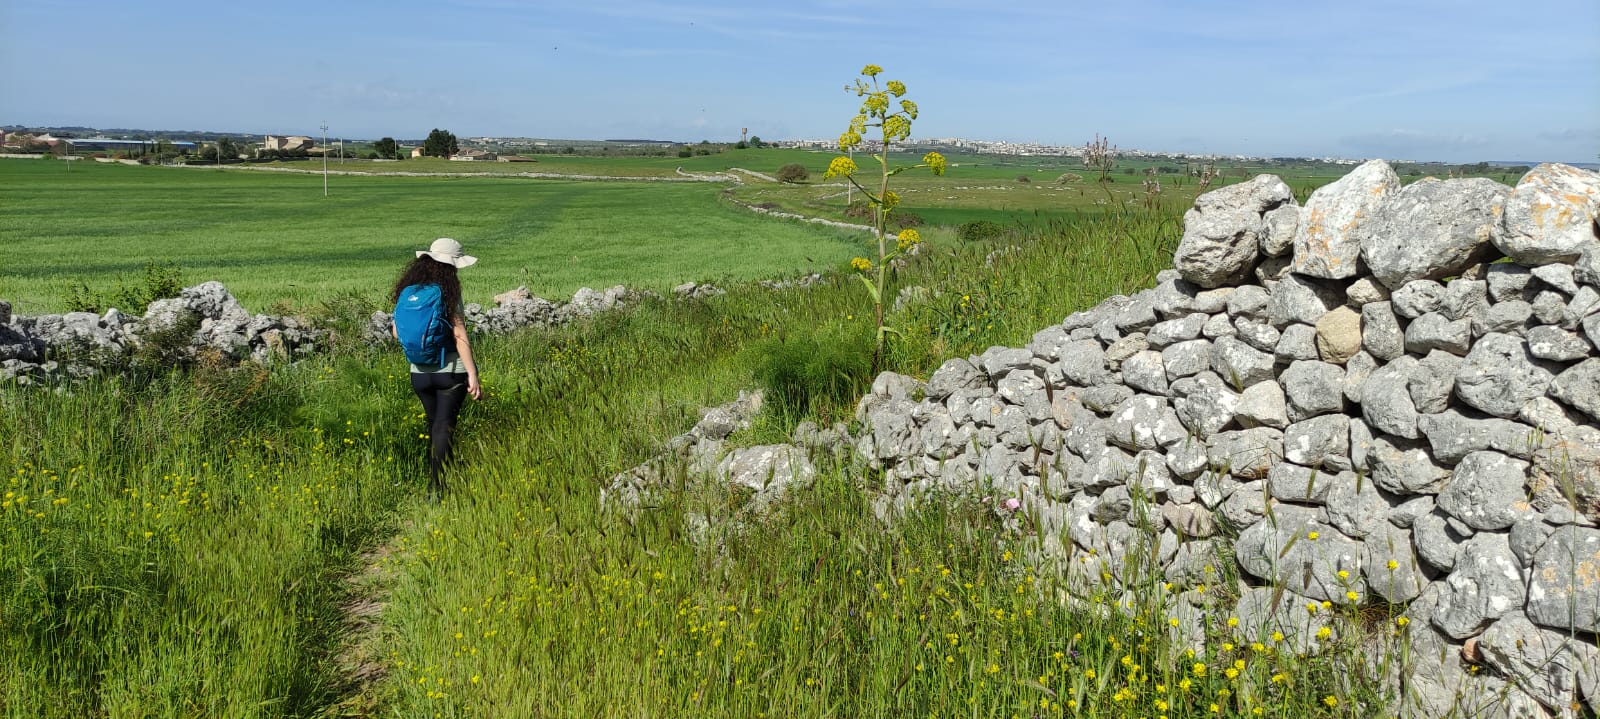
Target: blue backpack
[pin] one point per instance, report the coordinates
(423, 325)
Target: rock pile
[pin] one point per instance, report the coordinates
(764, 473)
(203, 318)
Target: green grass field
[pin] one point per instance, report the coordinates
(273, 237)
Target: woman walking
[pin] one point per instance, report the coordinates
(430, 323)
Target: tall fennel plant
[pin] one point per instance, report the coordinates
(892, 120)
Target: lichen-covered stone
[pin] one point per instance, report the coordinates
(1386, 401)
(1434, 331)
(1404, 467)
(1321, 441)
(1247, 453)
(1327, 242)
(1550, 215)
(1239, 364)
(1431, 229)
(1432, 381)
(1486, 491)
(1579, 387)
(1485, 584)
(1296, 342)
(1300, 299)
(1499, 376)
(1563, 592)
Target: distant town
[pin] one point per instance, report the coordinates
(181, 146)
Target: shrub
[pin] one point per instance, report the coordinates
(161, 279)
(793, 172)
(1024, 178)
(803, 375)
(979, 230)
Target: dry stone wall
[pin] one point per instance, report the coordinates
(1357, 400)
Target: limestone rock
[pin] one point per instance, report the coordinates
(1354, 505)
(1281, 224)
(1312, 388)
(1249, 301)
(771, 471)
(1145, 422)
(1486, 491)
(1550, 215)
(1321, 441)
(1453, 435)
(1181, 329)
(1436, 543)
(1431, 229)
(1263, 405)
(1499, 376)
(1435, 331)
(1404, 467)
(1289, 482)
(1327, 242)
(1083, 363)
(1239, 364)
(1302, 299)
(1247, 453)
(1508, 281)
(1563, 592)
(1485, 584)
(1389, 564)
(1363, 291)
(1386, 401)
(1551, 666)
(1339, 335)
(1579, 387)
(1509, 317)
(1219, 247)
(1548, 342)
(1283, 552)
(1259, 335)
(1204, 403)
(1432, 381)
(1185, 359)
(954, 374)
(1296, 342)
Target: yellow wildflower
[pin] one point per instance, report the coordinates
(897, 88)
(861, 263)
(841, 166)
(871, 70)
(935, 162)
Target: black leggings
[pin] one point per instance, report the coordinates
(442, 394)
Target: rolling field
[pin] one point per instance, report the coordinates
(272, 237)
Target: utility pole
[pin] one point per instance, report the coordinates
(324, 158)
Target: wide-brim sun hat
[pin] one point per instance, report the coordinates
(449, 252)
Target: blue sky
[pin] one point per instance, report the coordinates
(1433, 80)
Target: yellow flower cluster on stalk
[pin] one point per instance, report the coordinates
(893, 124)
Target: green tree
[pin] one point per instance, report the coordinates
(793, 172)
(387, 148)
(440, 143)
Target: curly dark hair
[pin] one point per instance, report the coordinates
(427, 271)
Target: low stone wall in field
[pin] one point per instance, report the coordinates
(206, 318)
(1356, 402)
(203, 318)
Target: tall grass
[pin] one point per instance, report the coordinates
(197, 565)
